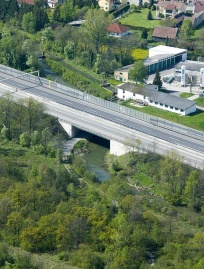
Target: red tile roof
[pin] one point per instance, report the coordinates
(117, 28)
(170, 7)
(164, 4)
(164, 32)
(199, 6)
(28, 2)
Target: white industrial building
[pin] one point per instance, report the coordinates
(150, 95)
(160, 58)
(190, 68)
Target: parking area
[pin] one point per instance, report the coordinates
(175, 87)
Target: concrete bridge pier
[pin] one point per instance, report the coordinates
(70, 129)
(117, 148)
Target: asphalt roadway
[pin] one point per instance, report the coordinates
(103, 119)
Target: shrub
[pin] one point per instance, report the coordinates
(82, 83)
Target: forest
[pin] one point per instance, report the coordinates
(148, 214)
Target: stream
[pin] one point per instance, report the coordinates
(97, 147)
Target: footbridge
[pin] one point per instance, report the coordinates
(123, 126)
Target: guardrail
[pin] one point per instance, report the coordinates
(106, 104)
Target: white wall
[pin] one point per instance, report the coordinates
(129, 95)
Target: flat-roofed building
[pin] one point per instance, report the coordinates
(151, 96)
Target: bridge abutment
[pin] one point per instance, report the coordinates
(70, 129)
(117, 148)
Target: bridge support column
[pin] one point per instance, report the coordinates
(70, 129)
(117, 148)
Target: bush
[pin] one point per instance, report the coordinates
(153, 7)
(84, 84)
(161, 15)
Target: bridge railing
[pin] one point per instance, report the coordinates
(106, 104)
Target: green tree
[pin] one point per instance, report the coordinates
(67, 11)
(187, 28)
(151, 3)
(157, 80)
(149, 15)
(28, 23)
(94, 29)
(139, 72)
(25, 139)
(144, 33)
(190, 192)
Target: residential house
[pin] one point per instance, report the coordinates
(162, 33)
(109, 5)
(106, 5)
(53, 3)
(198, 7)
(151, 96)
(118, 30)
(168, 8)
(197, 18)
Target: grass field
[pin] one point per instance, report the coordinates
(200, 102)
(186, 94)
(139, 19)
(194, 120)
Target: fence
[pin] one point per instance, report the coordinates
(104, 103)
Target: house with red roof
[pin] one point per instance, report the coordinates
(118, 30)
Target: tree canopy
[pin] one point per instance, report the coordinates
(138, 72)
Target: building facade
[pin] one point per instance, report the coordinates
(150, 95)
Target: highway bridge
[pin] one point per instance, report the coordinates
(122, 126)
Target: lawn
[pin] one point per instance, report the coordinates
(186, 94)
(200, 101)
(139, 19)
(194, 120)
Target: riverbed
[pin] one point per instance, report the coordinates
(97, 149)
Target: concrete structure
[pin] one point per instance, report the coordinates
(150, 95)
(160, 58)
(118, 30)
(105, 119)
(189, 68)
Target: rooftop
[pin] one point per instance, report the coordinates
(168, 50)
(165, 32)
(191, 65)
(156, 58)
(117, 28)
(160, 97)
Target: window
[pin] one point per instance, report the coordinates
(133, 93)
(161, 104)
(171, 107)
(156, 103)
(123, 91)
(166, 105)
(121, 73)
(181, 110)
(123, 96)
(176, 108)
(151, 101)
